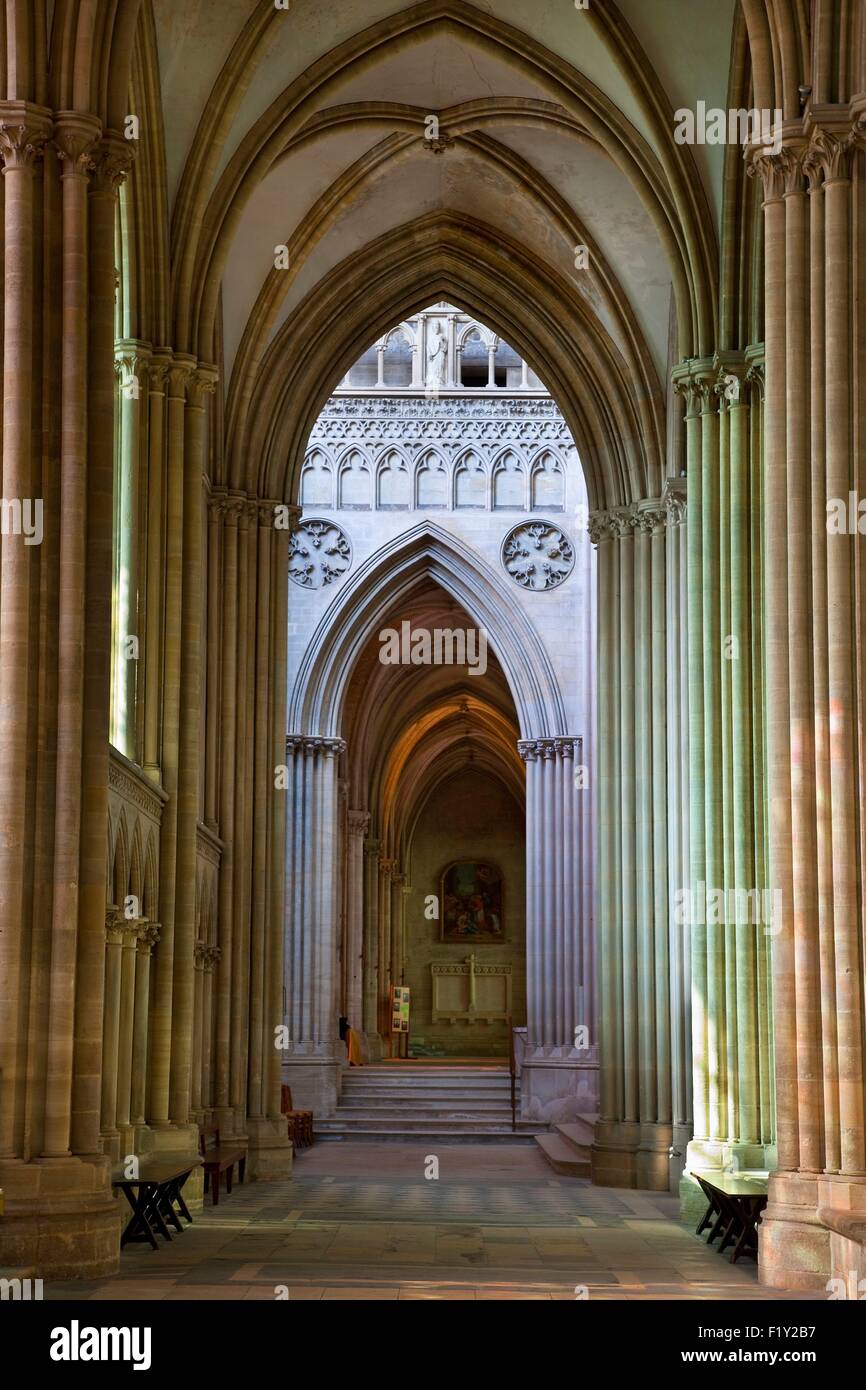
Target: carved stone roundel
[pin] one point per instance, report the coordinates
(320, 553)
(538, 555)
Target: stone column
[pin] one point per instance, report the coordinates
(718, 904)
(359, 824)
(814, 693)
(75, 137)
(679, 942)
(147, 938)
(114, 932)
(161, 1022)
(372, 849)
(131, 359)
(211, 958)
(128, 955)
(23, 132)
(112, 159)
(559, 1078)
(312, 1061)
(233, 506)
(201, 383)
(634, 1134)
(397, 882)
(195, 1110)
(386, 868)
(157, 379)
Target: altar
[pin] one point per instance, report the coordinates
(466, 992)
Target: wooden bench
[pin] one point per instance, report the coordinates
(155, 1196)
(217, 1160)
(736, 1201)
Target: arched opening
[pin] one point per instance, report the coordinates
(425, 670)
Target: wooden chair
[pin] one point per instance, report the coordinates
(300, 1121)
(217, 1160)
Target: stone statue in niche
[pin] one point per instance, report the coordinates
(437, 354)
(472, 902)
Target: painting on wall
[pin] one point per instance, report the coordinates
(472, 903)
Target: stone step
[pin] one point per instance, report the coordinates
(431, 1135)
(421, 1122)
(563, 1156)
(432, 1103)
(363, 1077)
(434, 1092)
(580, 1131)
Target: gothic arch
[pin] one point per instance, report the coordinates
(358, 611)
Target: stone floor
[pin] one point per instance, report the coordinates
(361, 1221)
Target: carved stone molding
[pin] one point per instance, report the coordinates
(208, 845)
(565, 747)
(537, 555)
(148, 936)
(358, 822)
(112, 160)
(130, 784)
(24, 131)
(313, 746)
(202, 382)
(206, 956)
(372, 848)
(319, 553)
(76, 135)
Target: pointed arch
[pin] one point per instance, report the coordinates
(358, 611)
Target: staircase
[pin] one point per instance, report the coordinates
(459, 1103)
(567, 1146)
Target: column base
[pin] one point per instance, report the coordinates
(718, 1156)
(797, 1249)
(61, 1221)
(558, 1084)
(270, 1154)
(375, 1047)
(315, 1082)
(628, 1154)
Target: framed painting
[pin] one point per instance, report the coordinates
(471, 897)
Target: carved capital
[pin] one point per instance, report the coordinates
(598, 527)
(674, 500)
(206, 956)
(202, 382)
(649, 517)
(112, 161)
(830, 156)
(179, 374)
(372, 848)
(24, 131)
(147, 938)
(358, 822)
(76, 135)
(158, 371)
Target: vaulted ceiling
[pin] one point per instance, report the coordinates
(306, 127)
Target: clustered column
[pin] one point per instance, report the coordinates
(559, 1078)
(635, 1130)
(723, 906)
(816, 687)
(311, 1061)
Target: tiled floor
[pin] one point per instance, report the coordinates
(361, 1221)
